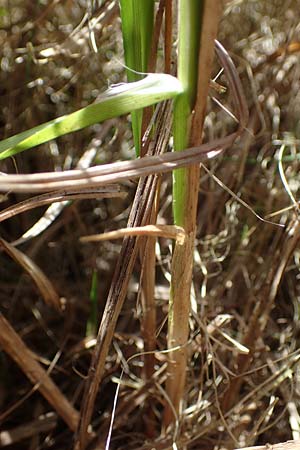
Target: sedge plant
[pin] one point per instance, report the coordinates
(197, 28)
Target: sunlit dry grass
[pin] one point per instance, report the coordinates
(242, 381)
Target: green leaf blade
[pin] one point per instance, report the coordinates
(116, 101)
(137, 28)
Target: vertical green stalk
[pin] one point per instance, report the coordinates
(189, 26)
(137, 28)
(197, 29)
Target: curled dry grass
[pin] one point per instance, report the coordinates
(243, 384)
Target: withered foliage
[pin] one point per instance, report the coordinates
(243, 377)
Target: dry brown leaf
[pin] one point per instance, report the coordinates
(43, 283)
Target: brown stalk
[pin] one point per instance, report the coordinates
(149, 317)
(59, 199)
(147, 250)
(139, 215)
(114, 303)
(147, 282)
(183, 256)
(15, 347)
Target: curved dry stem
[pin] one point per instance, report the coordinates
(166, 231)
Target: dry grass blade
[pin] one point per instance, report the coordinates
(44, 285)
(58, 201)
(139, 216)
(114, 172)
(242, 111)
(61, 196)
(166, 231)
(15, 347)
(112, 310)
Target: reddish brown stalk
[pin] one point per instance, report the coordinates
(147, 284)
(148, 320)
(156, 34)
(139, 215)
(147, 280)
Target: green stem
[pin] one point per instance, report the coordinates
(137, 28)
(189, 14)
